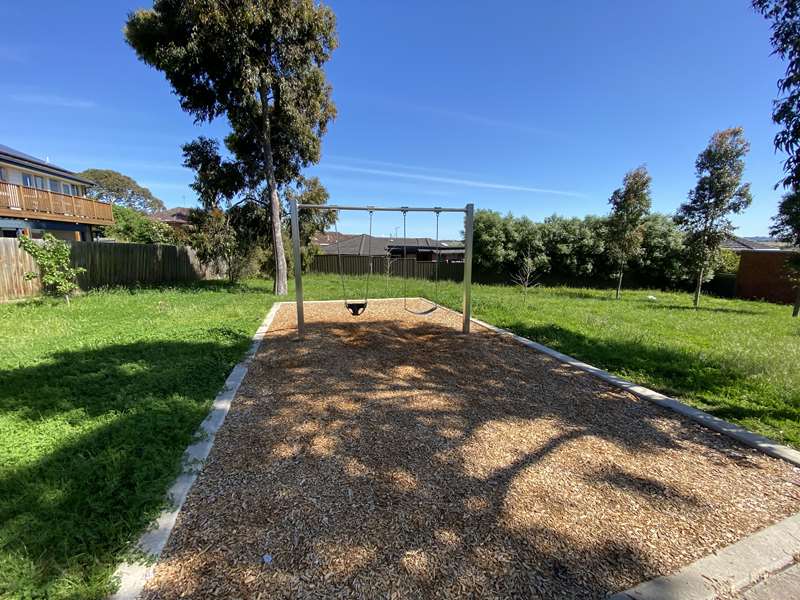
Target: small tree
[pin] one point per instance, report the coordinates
(55, 271)
(630, 204)
(719, 193)
(786, 227)
(528, 273)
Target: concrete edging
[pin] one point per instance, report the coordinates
(729, 570)
(133, 575)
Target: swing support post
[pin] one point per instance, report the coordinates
(298, 267)
(468, 211)
(466, 309)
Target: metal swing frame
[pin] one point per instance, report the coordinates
(468, 212)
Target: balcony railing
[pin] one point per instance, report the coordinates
(31, 203)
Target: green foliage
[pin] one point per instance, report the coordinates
(231, 241)
(259, 63)
(116, 188)
(719, 192)
(56, 272)
(629, 206)
(785, 17)
(728, 262)
(575, 250)
(130, 225)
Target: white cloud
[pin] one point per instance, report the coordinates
(453, 181)
(53, 100)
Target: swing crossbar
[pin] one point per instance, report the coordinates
(435, 209)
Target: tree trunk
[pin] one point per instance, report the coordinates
(796, 310)
(698, 288)
(280, 287)
(619, 284)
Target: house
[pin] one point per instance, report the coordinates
(421, 249)
(177, 218)
(37, 197)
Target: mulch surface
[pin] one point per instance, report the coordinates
(390, 456)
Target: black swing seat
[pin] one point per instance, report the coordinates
(356, 308)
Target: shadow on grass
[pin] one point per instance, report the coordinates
(109, 426)
(703, 309)
(672, 371)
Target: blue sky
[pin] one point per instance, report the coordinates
(534, 108)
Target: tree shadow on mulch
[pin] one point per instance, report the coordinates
(121, 417)
(354, 460)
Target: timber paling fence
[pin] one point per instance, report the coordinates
(397, 267)
(106, 264)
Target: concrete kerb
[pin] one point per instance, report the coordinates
(133, 575)
(728, 571)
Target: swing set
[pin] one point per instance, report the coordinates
(357, 307)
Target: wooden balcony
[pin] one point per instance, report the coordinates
(17, 201)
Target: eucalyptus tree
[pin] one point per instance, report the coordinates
(705, 216)
(630, 204)
(786, 227)
(260, 64)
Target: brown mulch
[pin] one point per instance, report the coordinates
(390, 456)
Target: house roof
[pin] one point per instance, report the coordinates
(365, 245)
(738, 244)
(26, 161)
(179, 214)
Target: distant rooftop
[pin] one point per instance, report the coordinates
(365, 245)
(20, 159)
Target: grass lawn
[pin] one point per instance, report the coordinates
(99, 400)
(97, 403)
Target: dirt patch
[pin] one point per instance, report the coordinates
(391, 456)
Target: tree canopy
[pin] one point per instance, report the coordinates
(719, 192)
(116, 188)
(629, 205)
(785, 17)
(259, 63)
(132, 226)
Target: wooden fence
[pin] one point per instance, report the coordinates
(397, 267)
(106, 265)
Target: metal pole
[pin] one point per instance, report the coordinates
(467, 308)
(298, 267)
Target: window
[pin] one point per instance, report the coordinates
(3, 174)
(39, 182)
(55, 186)
(27, 180)
(67, 189)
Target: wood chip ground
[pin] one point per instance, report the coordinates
(390, 456)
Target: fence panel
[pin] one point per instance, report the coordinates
(14, 263)
(396, 267)
(105, 264)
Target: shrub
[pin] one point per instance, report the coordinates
(55, 271)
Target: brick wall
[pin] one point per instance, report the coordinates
(762, 275)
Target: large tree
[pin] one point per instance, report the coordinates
(259, 63)
(719, 192)
(630, 204)
(116, 188)
(786, 227)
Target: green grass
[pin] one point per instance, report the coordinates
(99, 400)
